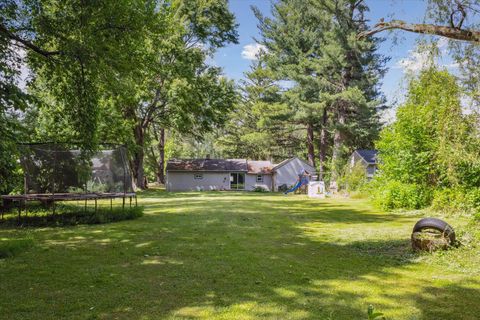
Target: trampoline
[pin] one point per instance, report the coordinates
(62, 172)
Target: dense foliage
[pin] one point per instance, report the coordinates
(111, 71)
(432, 150)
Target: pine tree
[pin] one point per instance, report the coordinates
(352, 71)
(257, 128)
(332, 75)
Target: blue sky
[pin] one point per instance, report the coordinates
(399, 46)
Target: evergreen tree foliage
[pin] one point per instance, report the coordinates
(331, 75)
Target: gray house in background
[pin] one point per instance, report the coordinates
(367, 158)
(232, 174)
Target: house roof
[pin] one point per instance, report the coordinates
(207, 165)
(259, 167)
(222, 165)
(370, 156)
(278, 165)
(284, 162)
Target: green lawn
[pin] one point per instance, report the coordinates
(240, 256)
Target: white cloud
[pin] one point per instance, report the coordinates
(252, 50)
(442, 44)
(416, 61)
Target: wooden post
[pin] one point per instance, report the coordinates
(25, 191)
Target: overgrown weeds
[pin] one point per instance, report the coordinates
(70, 215)
(12, 247)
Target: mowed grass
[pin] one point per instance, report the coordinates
(240, 256)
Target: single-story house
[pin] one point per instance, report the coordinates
(232, 174)
(367, 158)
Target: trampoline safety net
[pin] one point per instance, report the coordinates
(61, 168)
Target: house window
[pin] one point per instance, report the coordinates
(259, 177)
(198, 176)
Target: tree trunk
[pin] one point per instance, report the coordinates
(310, 146)
(138, 156)
(161, 158)
(323, 143)
(443, 31)
(338, 141)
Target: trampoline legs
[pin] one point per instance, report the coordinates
(111, 204)
(95, 205)
(123, 204)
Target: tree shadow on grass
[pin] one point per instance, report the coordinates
(210, 258)
(453, 301)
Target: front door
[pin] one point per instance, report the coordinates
(237, 181)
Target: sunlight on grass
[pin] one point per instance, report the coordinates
(217, 255)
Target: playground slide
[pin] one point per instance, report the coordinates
(298, 185)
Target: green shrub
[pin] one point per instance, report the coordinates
(449, 200)
(68, 215)
(390, 195)
(259, 189)
(10, 248)
(353, 178)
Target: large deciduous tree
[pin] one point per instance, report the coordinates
(81, 51)
(431, 146)
(181, 91)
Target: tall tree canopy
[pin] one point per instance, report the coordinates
(181, 91)
(332, 75)
(112, 70)
(81, 51)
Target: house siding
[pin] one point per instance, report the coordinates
(288, 173)
(184, 181)
(251, 182)
(370, 168)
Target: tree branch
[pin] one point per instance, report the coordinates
(27, 43)
(443, 31)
